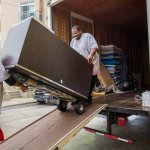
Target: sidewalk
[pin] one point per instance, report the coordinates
(19, 116)
(17, 101)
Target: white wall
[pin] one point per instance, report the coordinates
(9, 16)
(148, 21)
(10, 11)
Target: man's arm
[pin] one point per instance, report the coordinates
(93, 47)
(91, 55)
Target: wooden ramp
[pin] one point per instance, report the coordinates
(53, 130)
(125, 103)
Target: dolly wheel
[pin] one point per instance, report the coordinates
(79, 107)
(62, 105)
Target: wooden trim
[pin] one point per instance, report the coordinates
(80, 17)
(55, 2)
(73, 14)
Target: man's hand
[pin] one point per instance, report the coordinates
(90, 58)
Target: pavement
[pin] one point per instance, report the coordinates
(18, 113)
(17, 101)
(137, 129)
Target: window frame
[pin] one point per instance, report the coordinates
(28, 12)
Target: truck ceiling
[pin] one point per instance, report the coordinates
(128, 15)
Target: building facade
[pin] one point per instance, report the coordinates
(14, 11)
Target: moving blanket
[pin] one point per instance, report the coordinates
(113, 75)
(112, 69)
(107, 54)
(110, 55)
(32, 49)
(111, 62)
(109, 48)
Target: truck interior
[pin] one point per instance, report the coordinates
(121, 23)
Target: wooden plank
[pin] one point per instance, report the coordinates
(104, 77)
(52, 131)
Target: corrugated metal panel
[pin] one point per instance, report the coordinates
(131, 45)
(127, 14)
(61, 24)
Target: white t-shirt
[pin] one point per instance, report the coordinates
(3, 74)
(83, 46)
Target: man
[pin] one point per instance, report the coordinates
(3, 76)
(86, 45)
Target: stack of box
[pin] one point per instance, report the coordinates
(111, 58)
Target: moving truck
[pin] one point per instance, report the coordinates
(121, 23)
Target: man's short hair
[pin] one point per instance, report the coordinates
(78, 28)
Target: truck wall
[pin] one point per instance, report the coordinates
(60, 24)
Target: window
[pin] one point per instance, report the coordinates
(27, 10)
